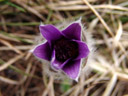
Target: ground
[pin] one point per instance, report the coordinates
(21, 74)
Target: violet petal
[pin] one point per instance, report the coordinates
(73, 31)
(50, 32)
(43, 51)
(83, 49)
(72, 69)
(57, 64)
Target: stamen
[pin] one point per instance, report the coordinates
(65, 49)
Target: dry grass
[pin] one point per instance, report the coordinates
(21, 73)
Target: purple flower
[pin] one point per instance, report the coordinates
(63, 48)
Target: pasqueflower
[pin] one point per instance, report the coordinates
(63, 48)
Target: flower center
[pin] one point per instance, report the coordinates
(65, 49)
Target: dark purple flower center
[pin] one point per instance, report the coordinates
(65, 49)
